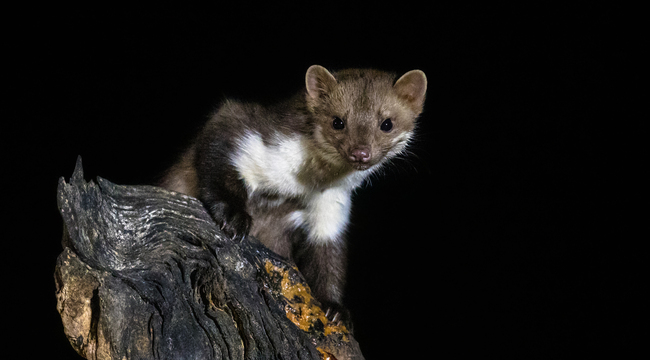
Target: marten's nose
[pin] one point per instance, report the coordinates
(360, 154)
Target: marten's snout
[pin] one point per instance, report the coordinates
(360, 157)
(360, 154)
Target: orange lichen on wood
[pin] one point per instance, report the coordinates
(301, 308)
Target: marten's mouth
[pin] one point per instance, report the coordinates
(360, 166)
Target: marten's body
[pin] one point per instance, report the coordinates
(285, 173)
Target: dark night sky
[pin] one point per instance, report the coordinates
(504, 234)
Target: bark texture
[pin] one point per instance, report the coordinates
(146, 274)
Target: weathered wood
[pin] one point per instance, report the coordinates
(146, 274)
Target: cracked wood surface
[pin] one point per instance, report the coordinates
(146, 274)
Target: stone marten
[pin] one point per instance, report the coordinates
(285, 173)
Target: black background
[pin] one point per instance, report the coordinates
(505, 233)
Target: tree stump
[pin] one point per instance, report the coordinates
(147, 274)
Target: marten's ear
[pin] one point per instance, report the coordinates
(411, 88)
(319, 81)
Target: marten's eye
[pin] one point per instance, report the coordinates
(386, 125)
(338, 124)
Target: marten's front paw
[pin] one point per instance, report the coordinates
(337, 314)
(235, 224)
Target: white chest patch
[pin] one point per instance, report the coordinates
(326, 215)
(273, 167)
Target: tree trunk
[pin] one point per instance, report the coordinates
(146, 274)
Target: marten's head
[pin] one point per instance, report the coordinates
(363, 117)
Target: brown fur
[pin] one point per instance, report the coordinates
(332, 159)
